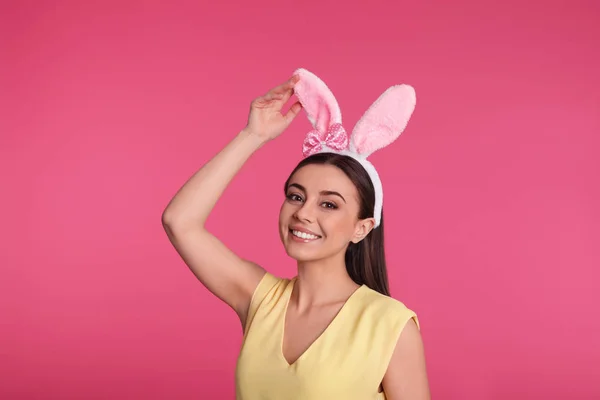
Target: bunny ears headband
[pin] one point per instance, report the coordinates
(380, 125)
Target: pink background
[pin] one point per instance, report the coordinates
(492, 194)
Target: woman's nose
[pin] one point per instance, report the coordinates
(305, 213)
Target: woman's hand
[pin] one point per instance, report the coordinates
(266, 120)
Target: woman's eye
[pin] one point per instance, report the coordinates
(294, 197)
(330, 205)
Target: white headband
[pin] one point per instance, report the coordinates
(380, 125)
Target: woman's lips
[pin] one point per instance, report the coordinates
(303, 235)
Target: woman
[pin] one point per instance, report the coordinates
(331, 332)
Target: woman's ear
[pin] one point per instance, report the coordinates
(363, 227)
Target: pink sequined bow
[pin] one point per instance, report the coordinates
(336, 138)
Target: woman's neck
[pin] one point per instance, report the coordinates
(322, 282)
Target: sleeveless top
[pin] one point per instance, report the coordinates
(347, 361)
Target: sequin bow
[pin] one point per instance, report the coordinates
(336, 138)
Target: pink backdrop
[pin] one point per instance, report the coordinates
(492, 194)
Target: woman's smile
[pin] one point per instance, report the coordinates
(302, 236)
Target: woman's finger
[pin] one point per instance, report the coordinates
(283, 92)
(292, 112)
(285, 96)
(286, 86)
(272, 97)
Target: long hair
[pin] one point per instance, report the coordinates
(365, 260)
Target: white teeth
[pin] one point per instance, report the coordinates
(303, 235)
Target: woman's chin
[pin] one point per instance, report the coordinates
(301, 255)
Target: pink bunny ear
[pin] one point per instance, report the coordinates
(317, 100)
(384, 121)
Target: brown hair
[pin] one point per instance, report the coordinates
(365, 260)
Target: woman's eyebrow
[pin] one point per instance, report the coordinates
(331, 192)
(297, 185)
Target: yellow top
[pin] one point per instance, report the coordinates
(348, 361)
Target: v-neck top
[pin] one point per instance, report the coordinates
(347, 361)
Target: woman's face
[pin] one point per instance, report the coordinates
(319, 216)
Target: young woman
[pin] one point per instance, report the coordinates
(332, 331)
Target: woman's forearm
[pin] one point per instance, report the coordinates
(194, 201)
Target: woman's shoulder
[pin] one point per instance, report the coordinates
(269, 286)
(386, 308)
(377, 299)
(267, 294)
